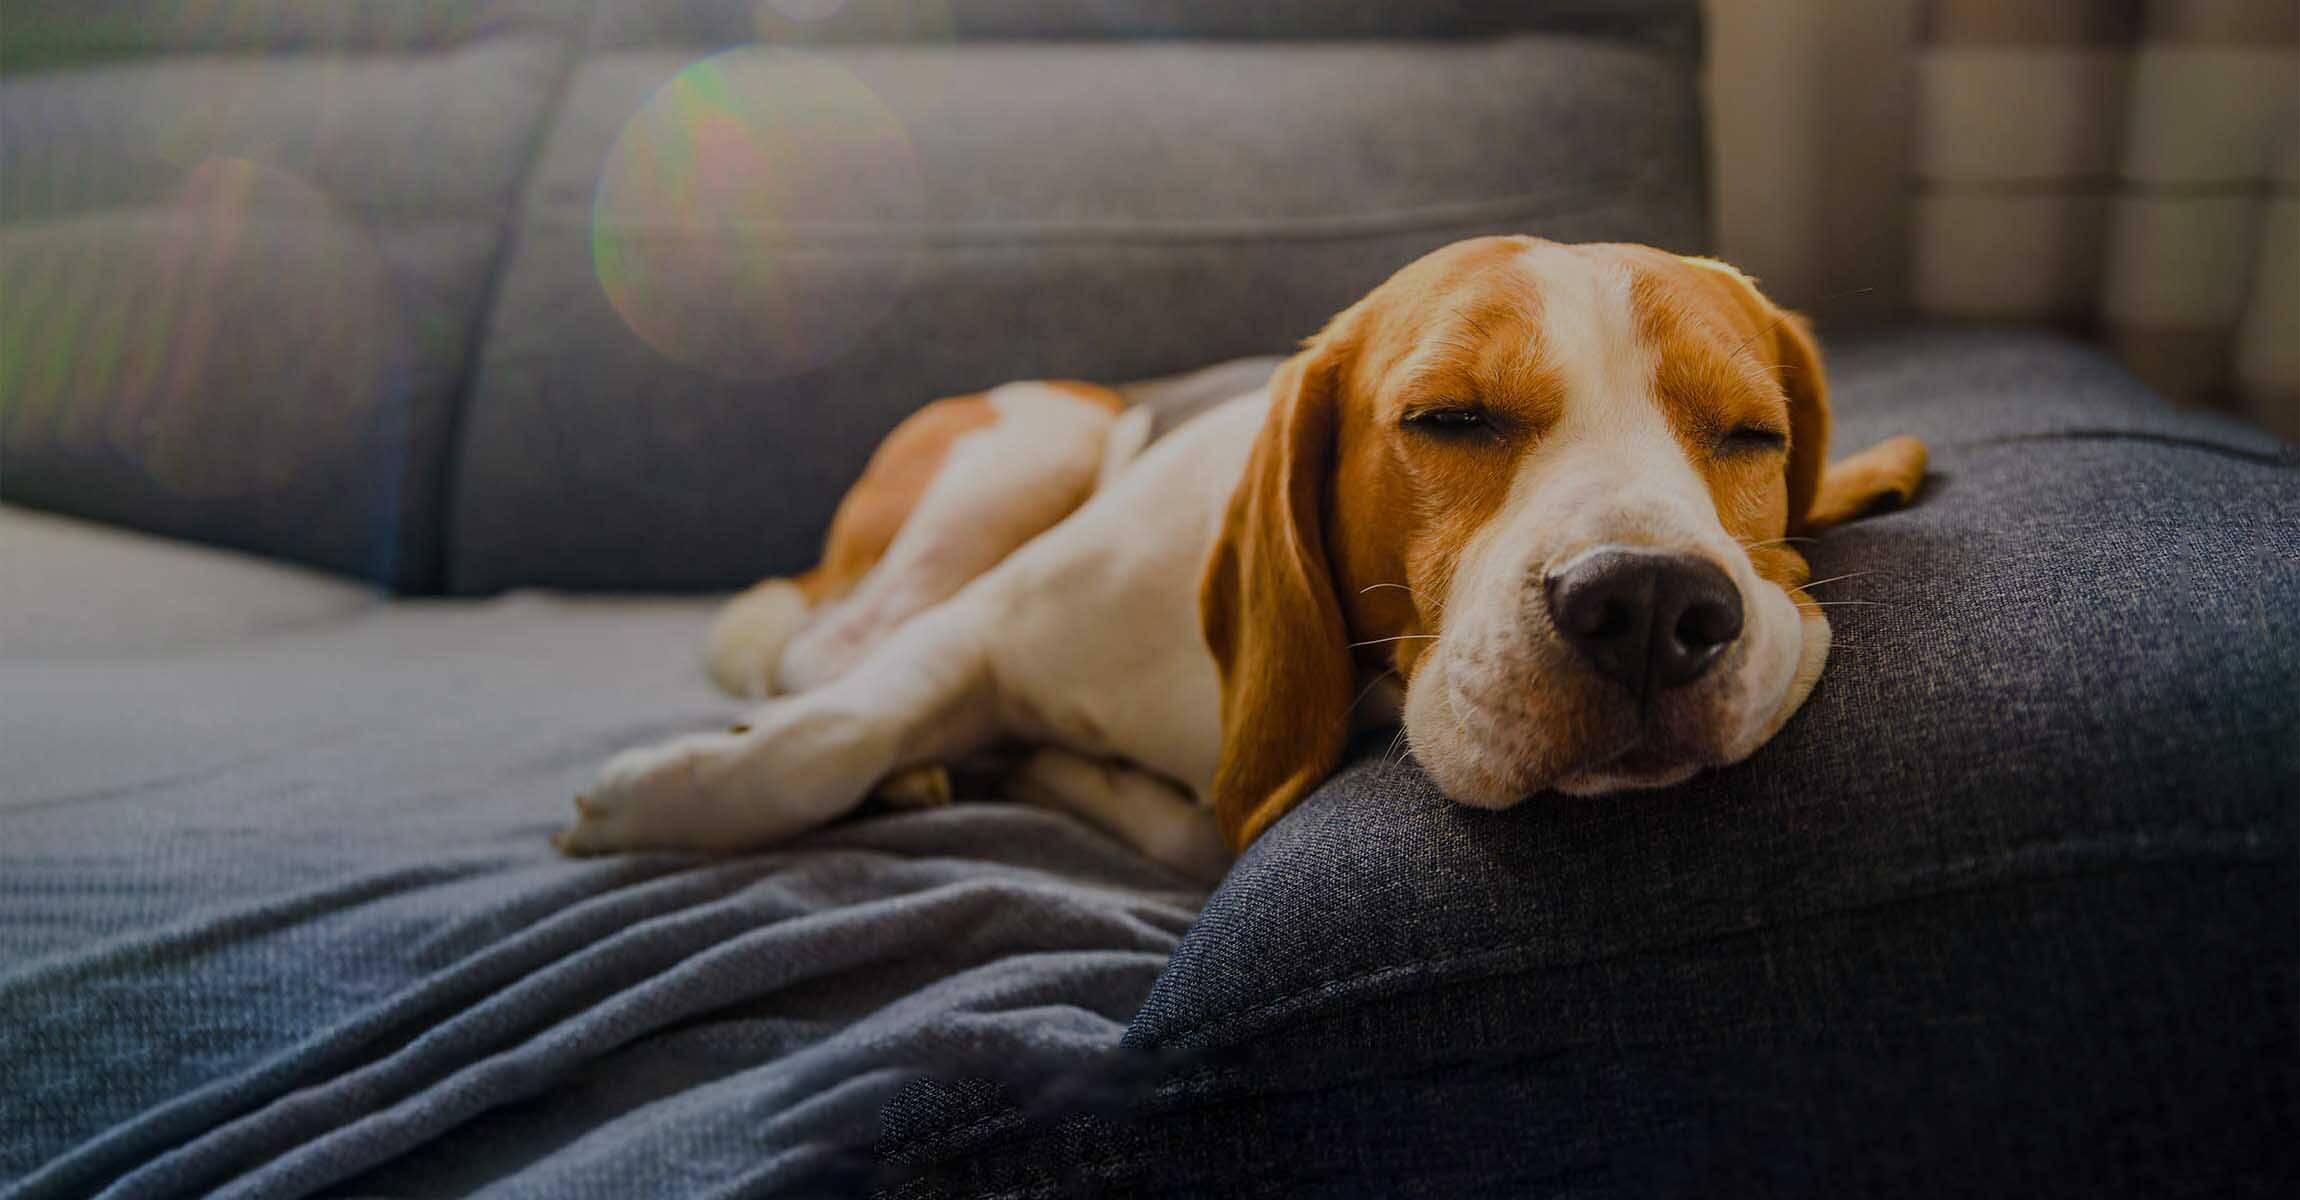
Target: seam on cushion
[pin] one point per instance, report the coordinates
(412, 214)
(2208, 845)
(1000, 232)
(132, 56)
(2285, 456)
(1021, 236)
(433, 577)
(236, 55)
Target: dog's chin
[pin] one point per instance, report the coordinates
(1476, 777)
(1485, 749)
(1629, 773)
(1479, 778)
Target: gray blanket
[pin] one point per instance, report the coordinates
(277, 918)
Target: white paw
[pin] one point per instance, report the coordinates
(793, 767)
(666, 796)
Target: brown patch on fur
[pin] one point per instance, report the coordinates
(1092, 393)
(1339, 500)
(898, 474)
(1729, 358)
(1884, 476)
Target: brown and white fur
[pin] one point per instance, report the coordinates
(1189, 634)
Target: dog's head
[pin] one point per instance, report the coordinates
(1555, 489)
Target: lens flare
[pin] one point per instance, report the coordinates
(759, 214)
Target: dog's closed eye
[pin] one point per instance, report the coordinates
(1753, 439)
(1448, 420)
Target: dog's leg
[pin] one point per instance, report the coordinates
(1000, 486)
(748, 635)
(923, 696)
(950, 493)
(1087, 637)
(1153, 816)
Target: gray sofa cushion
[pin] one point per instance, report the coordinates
(244, 283)
(2006, 908)
(278, 916)
(952, 217)
(262, 242)
(71, 588)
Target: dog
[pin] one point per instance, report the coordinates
(1542, 502)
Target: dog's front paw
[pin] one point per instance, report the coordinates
(798, 764)
(663, 797)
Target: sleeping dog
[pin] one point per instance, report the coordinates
(1542, 502)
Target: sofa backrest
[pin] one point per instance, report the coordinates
(467, 296)
(245, 250)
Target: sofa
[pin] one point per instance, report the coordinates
(390, 389)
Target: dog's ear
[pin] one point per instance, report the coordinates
(1834, 493)
(1821, 493)
(1269, 612)
(1882, 477)
(1797, 363)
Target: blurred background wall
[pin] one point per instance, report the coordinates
(1809, 105)
(2128, 170)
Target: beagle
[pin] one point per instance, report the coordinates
(1542, 502)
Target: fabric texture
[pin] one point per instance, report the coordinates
(277, 917)
(431, 294)
(479, 294)
(2131, 165)
(2007, 908)
(2013, 888)
(679, 381)
(76, 588)
(245, 280)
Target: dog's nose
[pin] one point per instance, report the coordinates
(1648, 619)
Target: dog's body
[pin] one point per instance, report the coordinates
(1538, 499)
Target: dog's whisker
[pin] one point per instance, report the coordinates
(1837, 603)
(1437, 606)
(1775, 542)
(1403, 637)
(1835, 578)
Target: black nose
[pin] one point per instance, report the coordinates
(1645, 618)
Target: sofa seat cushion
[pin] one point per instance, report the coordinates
(71, 588)
(277, 916)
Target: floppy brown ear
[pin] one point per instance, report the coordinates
(1799, 358)
(1267, 607)
(1821, 493)
(1881, 478)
